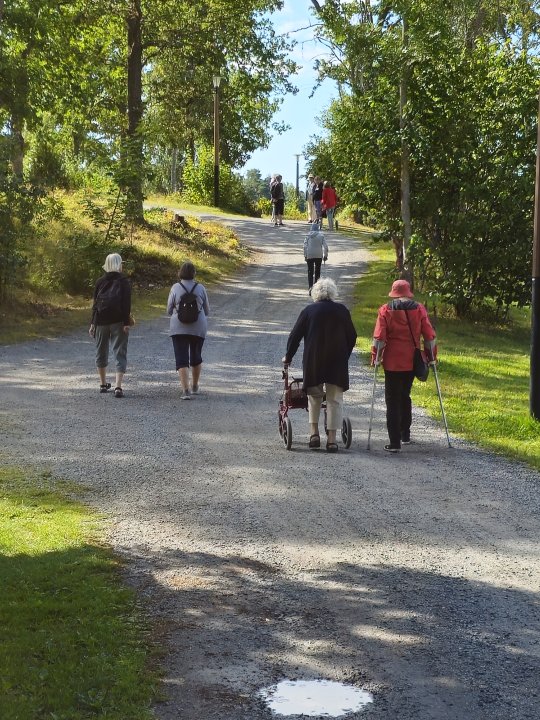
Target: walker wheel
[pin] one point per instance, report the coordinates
(280, 424)
(346, 432)
(286, 433)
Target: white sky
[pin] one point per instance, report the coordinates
(299, 111)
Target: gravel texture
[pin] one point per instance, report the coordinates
(415, 575)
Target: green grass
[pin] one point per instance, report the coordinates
(73, 644)
(152, 254)
(483, 369)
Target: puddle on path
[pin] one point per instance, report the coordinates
(315, 698)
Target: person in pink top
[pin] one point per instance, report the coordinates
(329, 202)
(400, 324)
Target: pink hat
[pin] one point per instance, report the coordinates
(400, 288)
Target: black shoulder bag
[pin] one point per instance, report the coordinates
(420, 366)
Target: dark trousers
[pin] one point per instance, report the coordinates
(397, 394)
(313, 266)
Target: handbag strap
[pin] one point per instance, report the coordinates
(410, 329)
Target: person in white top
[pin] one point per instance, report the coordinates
(315, 251)
(188, 338)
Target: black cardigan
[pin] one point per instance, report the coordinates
(329, 338)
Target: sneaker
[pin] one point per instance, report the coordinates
(406, 440)
(392, 448)
(186, 395)
(195, 390)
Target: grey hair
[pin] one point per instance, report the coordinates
(113, 263)
(324, 289)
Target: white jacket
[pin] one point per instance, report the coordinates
(315, 245)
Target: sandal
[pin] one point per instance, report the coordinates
(118, 392)
(315, 441)
(104, 388)
(331, 447)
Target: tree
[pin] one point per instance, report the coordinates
(459, 65)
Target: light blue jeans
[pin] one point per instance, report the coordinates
(330, 217)
(118, 339)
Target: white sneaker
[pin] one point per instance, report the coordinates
(195, 390)
(186, 395)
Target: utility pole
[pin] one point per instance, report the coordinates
(297, 175)
(535, 304)
(216, 80)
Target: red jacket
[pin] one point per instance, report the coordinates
(392, 328)
(329, 198)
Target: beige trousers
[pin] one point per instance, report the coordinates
(334, 405)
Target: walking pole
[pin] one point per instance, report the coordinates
(373, 399)
(434, 366)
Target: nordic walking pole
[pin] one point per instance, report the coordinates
(373, 399)
(434, 366)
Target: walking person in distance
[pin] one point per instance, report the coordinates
(188, 309)
(110, 322)
(329, 202)
(277, 195)
(315, 251)
(400, 324)
(329, 337)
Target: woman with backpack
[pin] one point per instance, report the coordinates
(188, 309)
(111, 319)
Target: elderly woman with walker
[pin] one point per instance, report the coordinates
(329, 338)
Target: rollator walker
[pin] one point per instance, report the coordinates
(294, 397)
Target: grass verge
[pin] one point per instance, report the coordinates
(73, 643)
(53, 296)
(483, 369)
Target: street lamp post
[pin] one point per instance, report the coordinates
(297, 176)
(216, 81)
(535, 303)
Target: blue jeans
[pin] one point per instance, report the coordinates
(330, 217)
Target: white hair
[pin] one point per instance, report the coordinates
(324, 289)
(113, 263)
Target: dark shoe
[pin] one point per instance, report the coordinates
(392, 448)
(405, 439)
(331, 447)
(315, 441)
(118, 392)
(104, 388)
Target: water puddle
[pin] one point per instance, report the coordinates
(315, 698)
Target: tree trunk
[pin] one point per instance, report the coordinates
(174, 165)
(407, 271)
(17, 147)
(133, 150)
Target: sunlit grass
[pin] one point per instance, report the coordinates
(483, 369)
(73, 643)
(152, 254)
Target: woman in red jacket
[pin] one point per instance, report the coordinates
(329, 202)
(398, 322)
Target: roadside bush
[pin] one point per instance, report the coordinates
(198, 184)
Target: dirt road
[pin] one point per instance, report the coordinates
(415, 576)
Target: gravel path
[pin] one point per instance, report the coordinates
(415, 576)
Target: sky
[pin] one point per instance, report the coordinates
(298, 111)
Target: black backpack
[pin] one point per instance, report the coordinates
(188, 309)
(109, 296)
